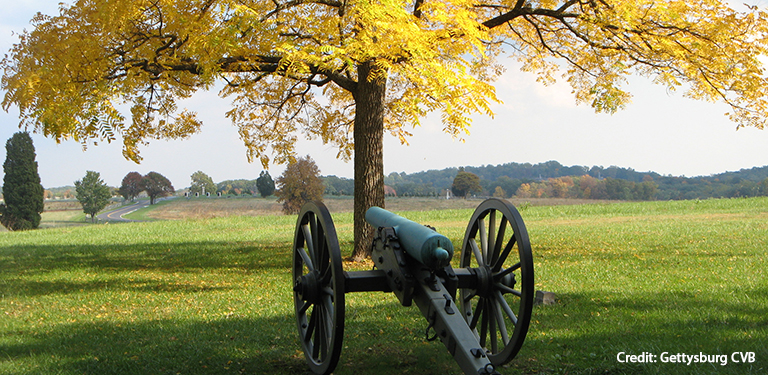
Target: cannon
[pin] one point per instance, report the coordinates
(480, 310)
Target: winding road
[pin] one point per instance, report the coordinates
(117, 215)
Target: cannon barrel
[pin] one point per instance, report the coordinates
(422, 243)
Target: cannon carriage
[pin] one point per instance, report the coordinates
(480, 310)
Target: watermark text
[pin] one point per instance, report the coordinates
(687, 359)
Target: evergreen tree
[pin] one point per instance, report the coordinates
(22, 192)
(92, 193)
(265, 185)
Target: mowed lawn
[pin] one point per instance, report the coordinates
(213, 296)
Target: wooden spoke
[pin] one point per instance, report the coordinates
(305, 258)
(483, 240)
(507, 271)
(505, 306)
(497, 257)
(483, 322)
(489, 251)
(304, 307)
(501, 324)
(310, 249)
(476, 316)
(507, 290)
(491, 309)
(478, 255)
(503, 258)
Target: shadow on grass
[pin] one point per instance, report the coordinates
(229, 346)
(238, 345)
(24, 266)
(150, 256)
(383, 337)
(584, 333)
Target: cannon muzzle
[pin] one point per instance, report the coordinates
(422, 243)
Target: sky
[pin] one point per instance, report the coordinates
(659, 131)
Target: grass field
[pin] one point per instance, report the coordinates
(211, 207)
(212, 296)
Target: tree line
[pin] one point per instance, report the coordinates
(24, 196)
(588, 187)
(299, 183)
(552, 179)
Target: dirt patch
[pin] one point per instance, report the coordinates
(62, 205)
(215, 207)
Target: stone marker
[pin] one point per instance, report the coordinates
(544, 298)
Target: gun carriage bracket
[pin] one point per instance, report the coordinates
(494, 283)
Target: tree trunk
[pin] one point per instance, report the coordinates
(369, 154)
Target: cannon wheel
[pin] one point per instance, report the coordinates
(498, 309)
(318, 291)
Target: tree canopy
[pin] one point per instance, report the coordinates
(92, 193)
(131, 186)
(202, 183)
(299, 183)
(465, 183)
(156, 185)
(346, 72)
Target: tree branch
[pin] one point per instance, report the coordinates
(522, 9)
(290, 4)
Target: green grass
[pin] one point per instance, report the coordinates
(51, 219)
(213, 296)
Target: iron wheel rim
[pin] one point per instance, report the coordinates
(504, 294)
(318, 288)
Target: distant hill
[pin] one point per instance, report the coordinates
(61, 192)
(755, 174)
(510, 176)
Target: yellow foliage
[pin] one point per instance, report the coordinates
(291, 67)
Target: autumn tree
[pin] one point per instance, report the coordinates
(202, 183)
(23, 199)
(265, 184)
(131, 186)
(300, 183)
(380, 66)
(92, 193)
(156, 185)
(465, 183)
(499, 192)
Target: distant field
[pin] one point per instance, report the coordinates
(213, 296)
(206, 208)
(60, 213)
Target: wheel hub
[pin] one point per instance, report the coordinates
(509, 280)
(307, 287)
(484, 281)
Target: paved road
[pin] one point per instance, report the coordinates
(117, 215)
